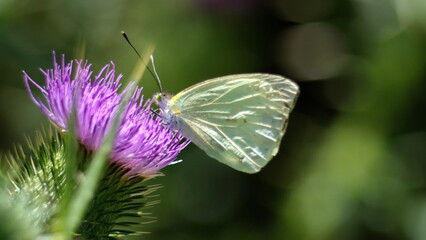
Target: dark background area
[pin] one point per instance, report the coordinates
(353, 162)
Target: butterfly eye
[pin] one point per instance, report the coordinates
(158, 97)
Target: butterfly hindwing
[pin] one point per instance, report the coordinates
(238, 119)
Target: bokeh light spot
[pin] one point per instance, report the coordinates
(313, 51)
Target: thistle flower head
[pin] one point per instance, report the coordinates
(143, 145)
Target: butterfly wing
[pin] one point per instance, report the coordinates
(238, 119)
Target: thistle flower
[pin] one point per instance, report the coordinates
(143, 145)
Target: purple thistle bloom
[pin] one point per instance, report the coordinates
(143, 145)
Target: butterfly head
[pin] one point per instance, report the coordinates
(162, 99)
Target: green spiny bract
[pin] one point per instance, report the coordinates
(35, 183)
(37, 178)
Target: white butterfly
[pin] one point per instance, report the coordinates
(238, 119)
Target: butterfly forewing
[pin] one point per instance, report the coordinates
(238, 119)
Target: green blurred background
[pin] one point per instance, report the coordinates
(353, 162)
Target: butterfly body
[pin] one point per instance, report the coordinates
(237, 119)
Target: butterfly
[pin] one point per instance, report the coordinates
(238, 120)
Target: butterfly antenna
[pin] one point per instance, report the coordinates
(156, 75)
(153, 73)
